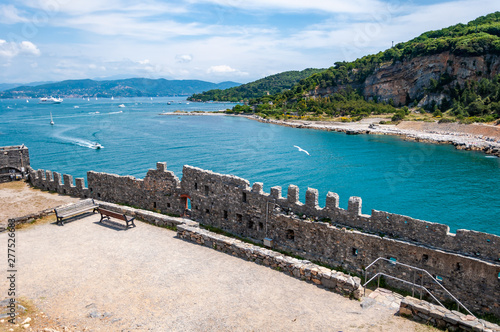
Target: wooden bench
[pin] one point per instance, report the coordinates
(107, 214)
(73, 209)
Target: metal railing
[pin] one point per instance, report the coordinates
(421, 286)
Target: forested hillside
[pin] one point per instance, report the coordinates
(453, 69)
(266, 86)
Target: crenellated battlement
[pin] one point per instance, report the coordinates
(210, 187)
(468, 262)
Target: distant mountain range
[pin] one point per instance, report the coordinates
(7, 86)
(132, 87)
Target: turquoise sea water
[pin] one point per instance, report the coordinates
(431, 182)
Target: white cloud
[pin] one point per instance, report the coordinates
(116, 17)
(13, 49)
(184, 58)
(82, 7)
(10, 15)
(329, 6)
(348, 39)
(28, 48)
(119, 24)
(160, 38)
(222, 69)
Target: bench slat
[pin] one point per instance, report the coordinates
(107, 214)
(76, 208)
(70, 213)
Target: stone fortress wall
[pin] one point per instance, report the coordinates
(466, 263)
(14, 162)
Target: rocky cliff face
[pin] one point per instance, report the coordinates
(405, 80)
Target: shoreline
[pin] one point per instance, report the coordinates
(193, 113)
(470, 137)
(463, 139)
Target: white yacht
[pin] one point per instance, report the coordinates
(50, 100)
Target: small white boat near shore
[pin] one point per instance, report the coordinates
(121, 105)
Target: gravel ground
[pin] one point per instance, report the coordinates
(90, 277)
(471, 129)
(18, 199)
(87, 276)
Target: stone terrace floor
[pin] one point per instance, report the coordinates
(92, 277)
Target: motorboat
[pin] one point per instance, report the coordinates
(50, 100)
(121, 105)
(96, 146)
(51, 120)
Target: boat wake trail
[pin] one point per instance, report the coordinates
(82, 142)
(78, 141)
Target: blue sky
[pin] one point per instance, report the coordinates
(213, 40)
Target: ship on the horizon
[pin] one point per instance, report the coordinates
(50, 100)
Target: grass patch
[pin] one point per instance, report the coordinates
(14, 185)
(489, 317)
(172, 228)
(175, 215)
(40, 221)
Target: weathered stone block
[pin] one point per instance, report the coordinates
(312, 198)
(332, 201)
(258, 188)
(161, 166)
(293, 194)
(354, 205)
(329, 283)
(68, 180)
(276, 192)
(451, 318)
(405, 311)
